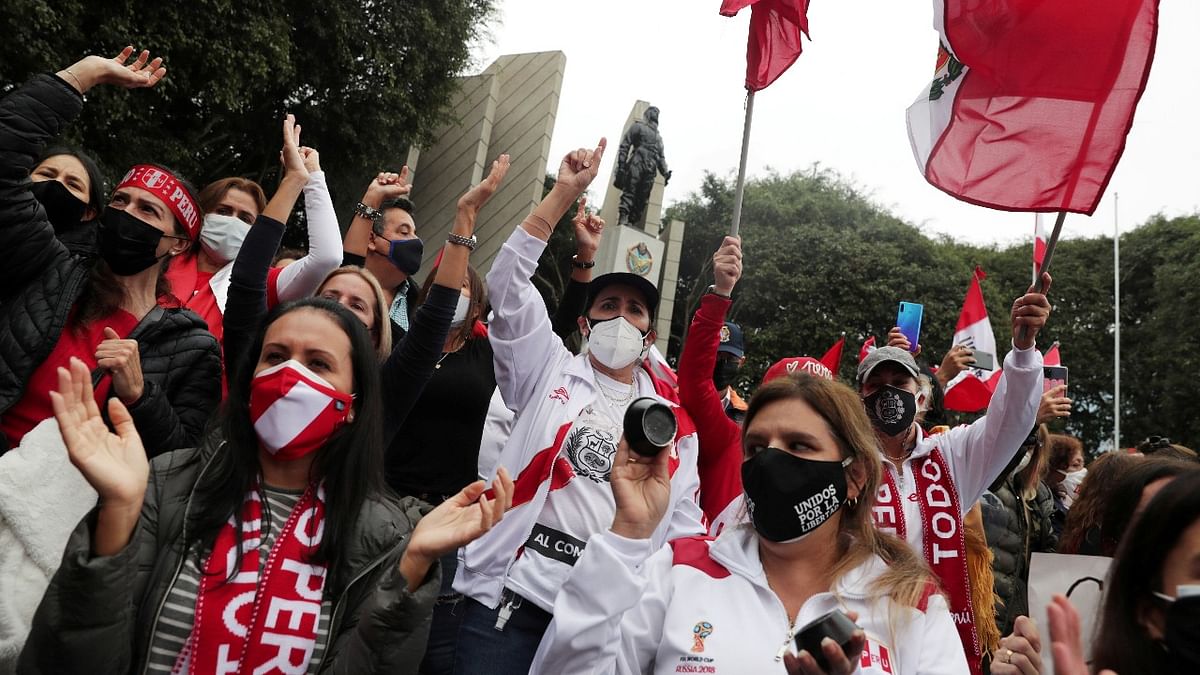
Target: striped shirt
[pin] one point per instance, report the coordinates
(178, 613)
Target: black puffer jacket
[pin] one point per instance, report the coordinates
(1016, 528)
(40, 282)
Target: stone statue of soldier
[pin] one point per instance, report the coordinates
(639, 159)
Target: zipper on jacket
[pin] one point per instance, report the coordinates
(179, 566)
(337, 605)
(789, 637)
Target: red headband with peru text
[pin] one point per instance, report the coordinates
(168, 188)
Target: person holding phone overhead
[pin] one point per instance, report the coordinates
(930, 482)
(737, 602)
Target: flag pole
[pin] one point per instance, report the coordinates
(1051, 244)
(740, 189)
(1117, 325)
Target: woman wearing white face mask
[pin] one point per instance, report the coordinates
(563, 444)
(200, 280)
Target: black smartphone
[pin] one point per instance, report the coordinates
(836, 626)
(1053, 376)
(984, 360)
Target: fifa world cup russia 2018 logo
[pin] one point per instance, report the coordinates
(699, 632)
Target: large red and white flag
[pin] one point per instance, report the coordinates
(774, 43)
(971, 390)
(1031, 100)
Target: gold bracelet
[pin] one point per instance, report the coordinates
(549, 229)
(78, 84)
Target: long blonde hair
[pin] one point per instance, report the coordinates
(382, 333)
(907, 578)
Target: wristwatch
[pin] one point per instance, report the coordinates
(712, 290)
(371, 214)
(582, 264)
(469, 242)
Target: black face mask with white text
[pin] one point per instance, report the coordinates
(789, 496)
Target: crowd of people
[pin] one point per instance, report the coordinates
(217, 456)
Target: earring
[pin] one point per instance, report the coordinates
(350, 417)
(852, 503)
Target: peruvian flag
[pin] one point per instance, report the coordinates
(1052, 357)
(833, 357)
(971, 390)
(1031, 100)
(867, 348)
(774, 44)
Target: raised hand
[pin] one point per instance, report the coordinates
(312, 159)
(477, 196)
(589, 228)
(804, 663)
(896, 338)
(114, 464)
(579, 168)
(642, 489)
(1065, 638)
(1054, 404)
(121, 358)
(1019, 653)
(457, 522)
(958, 359)
(94, 70)
(727, 265)
(289, 156)
(388, 185)
(1029, 314)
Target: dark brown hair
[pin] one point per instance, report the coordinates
(464, 332)
(1087, 511)
(1062, 448)
(214, 192)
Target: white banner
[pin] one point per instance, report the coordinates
(1079, 577)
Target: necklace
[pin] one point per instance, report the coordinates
(438, 365)
(618, 401)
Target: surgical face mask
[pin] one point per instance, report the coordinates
(129, 245)
(404, 254)
(788, 496)
(616, 343)
(1070, 485)
(1182, 631)
(460, 311)
(222, 236)
(891, 410)
(63, 209)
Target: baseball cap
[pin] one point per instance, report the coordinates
(797, 364)
(639, 283)
(732, 341)
(885, 355)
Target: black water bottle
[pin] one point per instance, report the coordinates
(650, 426)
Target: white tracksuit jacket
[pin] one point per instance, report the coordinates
(618, 615)
(547, 387)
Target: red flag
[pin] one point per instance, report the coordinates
(1052, 357)
(1039, 245)
(971, 390)
(833, 357)
(774, 44)
(1031, 100)
(867, 348)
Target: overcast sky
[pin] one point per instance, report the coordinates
(841, 105)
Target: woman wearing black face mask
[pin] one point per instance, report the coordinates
(102, 309)
(69, 185)
(1150, 623)
(811, 464)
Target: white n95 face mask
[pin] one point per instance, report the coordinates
(616, 343)
(222, 236)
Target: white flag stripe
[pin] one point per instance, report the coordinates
(289, 415)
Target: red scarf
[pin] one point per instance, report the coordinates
(942, 534)
(280, 607)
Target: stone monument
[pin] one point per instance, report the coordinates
(640, 159)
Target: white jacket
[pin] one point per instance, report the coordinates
(42, 498)
(975, 453)
(547, 387)
(617, 615)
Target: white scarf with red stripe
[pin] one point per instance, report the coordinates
(943, 538)
(253, 623)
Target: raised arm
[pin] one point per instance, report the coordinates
(979, 452)
(520, 332)
(385, 186)
(304, 276)
(589, 229)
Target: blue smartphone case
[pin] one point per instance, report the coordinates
(908, 319)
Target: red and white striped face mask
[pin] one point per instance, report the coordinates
(294, 410)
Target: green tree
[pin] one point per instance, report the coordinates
(366, 78)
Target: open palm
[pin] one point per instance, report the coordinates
(114, 464)
(479, 195)
(463, 518)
